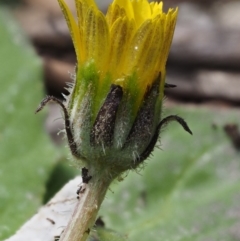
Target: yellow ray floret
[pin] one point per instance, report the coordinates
(73, 28)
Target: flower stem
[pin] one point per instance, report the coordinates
(86, 210)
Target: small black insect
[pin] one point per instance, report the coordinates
(85, 177)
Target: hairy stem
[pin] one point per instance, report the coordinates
(83, 218)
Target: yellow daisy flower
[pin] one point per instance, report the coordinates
(113, 111)
(133, 39)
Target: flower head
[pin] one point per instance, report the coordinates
(129, 45)
(113, 112)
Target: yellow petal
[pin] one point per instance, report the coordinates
(73, 28)
(121, 34)
(82, 9)
(169, 26)
(114, 13)
(156, 8)
(87, 3)
(96, 38)
(142, 11)
(153, 53)
(126, 5)
(136, 59)
(139, 46)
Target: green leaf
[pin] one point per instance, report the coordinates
(26, 153)
(189, 190)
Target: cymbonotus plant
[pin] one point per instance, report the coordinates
(113, 110)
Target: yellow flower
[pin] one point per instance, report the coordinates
(113, 112)
(134, 37)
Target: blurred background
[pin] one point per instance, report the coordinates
(204, 61)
